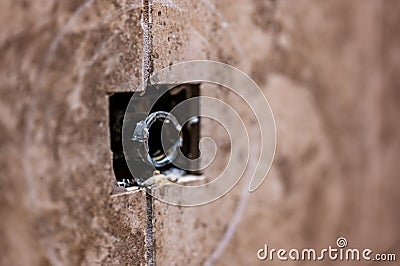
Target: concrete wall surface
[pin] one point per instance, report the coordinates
(329, 70)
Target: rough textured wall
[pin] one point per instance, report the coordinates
(56, 178)
(328, 68)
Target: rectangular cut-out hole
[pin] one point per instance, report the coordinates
(118, 103)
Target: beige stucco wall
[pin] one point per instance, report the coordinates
(328, 69)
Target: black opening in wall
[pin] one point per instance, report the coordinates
(118, 103)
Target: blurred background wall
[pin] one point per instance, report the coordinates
(329, 70)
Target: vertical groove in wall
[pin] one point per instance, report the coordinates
(147, 40)
(149, 230)
(146, 72)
